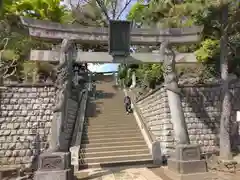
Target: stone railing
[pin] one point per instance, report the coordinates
(152, 142)
(78, 128)
(202, 110)
(25, 123)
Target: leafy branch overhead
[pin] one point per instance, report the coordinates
(98, 12)
(85, 12)
(19, 44)
(170, 13)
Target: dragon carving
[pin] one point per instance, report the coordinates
(170, 76)
(61, 84)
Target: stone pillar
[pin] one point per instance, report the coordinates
(185, 162)
(133, 80)
(174, 95)
(63, 85)
(55, 163)
(116, 79)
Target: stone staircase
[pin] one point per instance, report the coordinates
(111, 137)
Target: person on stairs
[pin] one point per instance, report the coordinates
(127, 104)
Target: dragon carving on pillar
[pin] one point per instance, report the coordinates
(61, 84)
(170, 76)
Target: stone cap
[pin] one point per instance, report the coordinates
(44, 24)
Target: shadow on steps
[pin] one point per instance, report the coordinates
(92, 109)
(104, 95)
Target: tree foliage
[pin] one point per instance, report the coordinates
(19, 44)
(85, 12)
(170, 13)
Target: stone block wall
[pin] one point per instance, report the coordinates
(26, 113)
(202, 109)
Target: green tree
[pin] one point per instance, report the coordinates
(220, 40)
(39, 9)
(19, 43)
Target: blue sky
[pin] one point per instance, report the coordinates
(107, 67)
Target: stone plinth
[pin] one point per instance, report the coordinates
(54, 166)
(54, 175)
(185, 163)
(156, 153)
(192, 176)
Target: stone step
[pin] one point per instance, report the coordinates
(89, 133)
(106, 124)
(114, 153)
(115, 159)
(121, 113)
(110, 144)
(113, 148)
(133, 133)
(112, 138)
(130, 163)
(113, 128)
(108, 140)
(110, 120)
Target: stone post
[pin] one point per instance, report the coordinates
(173, 93)
(133, 80)
(55, 163)
(185, 162)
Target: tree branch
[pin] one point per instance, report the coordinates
(124, 8)
(5, 74)
(79, 3)
(103, 8)
(114, 8)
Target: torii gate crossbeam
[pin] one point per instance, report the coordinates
(47, 30)
(96, 35)
(104, 57)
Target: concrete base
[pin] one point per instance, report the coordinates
(156, 153)
(193, 176)
(54, 175)
(185, 164)
(186, 167)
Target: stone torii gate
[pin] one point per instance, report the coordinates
(119, 36)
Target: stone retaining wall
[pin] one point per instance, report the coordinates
(202, 107)
(25, 122)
